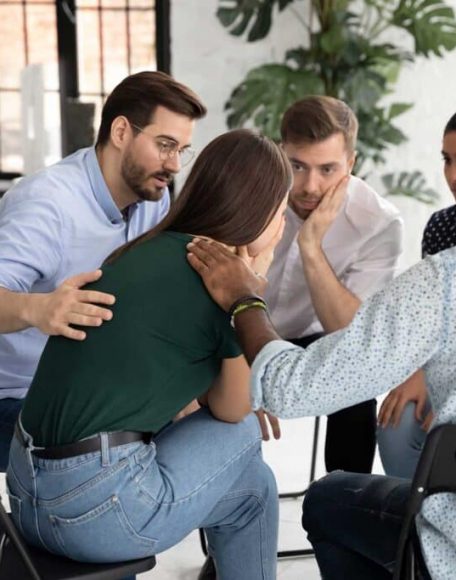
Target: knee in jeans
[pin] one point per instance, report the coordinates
(265, 479)
(315, 506)
(310, 509)
(252, 426)
(259, 485)
(271, 493)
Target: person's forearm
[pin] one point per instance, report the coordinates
(229, 397)
(220, 402)
(16, 309)
(254, 330)
(334, 305)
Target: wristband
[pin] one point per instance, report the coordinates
(246, 306)
(245, 300)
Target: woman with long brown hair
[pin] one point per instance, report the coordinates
(97, 472)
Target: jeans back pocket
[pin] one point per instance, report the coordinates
(103, 534)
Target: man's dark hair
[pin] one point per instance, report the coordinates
(137, 97)
(316, 118)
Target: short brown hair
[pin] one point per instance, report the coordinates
(317, 118)
(233, 191)
(137, 97)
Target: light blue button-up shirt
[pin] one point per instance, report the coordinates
(408, 325)
(54, 224)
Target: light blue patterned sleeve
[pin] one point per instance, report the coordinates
(395, 332)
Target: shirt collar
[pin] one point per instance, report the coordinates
(100, 189)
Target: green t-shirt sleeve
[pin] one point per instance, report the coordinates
(228, 345)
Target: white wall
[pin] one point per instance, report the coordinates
(213, 62)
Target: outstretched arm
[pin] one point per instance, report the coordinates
(54, 312)
(33, 245)
(382, 347)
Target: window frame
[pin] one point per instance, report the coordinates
(67, 54)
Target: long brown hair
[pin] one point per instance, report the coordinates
(233, 191)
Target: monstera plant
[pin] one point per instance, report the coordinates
(346, 52)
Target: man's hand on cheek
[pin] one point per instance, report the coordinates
(319, 221)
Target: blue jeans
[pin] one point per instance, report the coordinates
(353, 522)
(135, 500)
(400, 447)
(9, 412)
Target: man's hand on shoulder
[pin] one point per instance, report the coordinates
(226, 276)
(54, 312)
(314, 228)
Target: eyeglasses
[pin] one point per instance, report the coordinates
(169, 149)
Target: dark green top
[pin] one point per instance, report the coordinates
(163, 348)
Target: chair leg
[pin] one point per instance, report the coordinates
(203, 541)
(295, 553)
(295, 494)
(313, 464)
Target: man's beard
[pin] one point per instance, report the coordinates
(135, 178)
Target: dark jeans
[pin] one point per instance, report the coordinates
(350, 433)
(9, 412)
(354, 521)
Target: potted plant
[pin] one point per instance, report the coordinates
(347, 52)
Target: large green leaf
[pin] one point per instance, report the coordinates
(397, 109)
(376, 134)
(266, 93)
(431, 23)
(362, 89)
(255, 15)
(409, 184)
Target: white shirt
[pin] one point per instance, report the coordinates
(362, 246)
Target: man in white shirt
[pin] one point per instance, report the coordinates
(332, 256)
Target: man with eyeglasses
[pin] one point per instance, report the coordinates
(67, 218)
(341, 243)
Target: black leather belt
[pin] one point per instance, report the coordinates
(86, 445)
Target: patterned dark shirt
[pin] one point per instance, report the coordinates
(440, 231)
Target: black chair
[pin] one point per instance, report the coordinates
(435, 473)
(23, 562)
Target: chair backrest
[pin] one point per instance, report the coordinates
(435, 473)
(9, 532)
